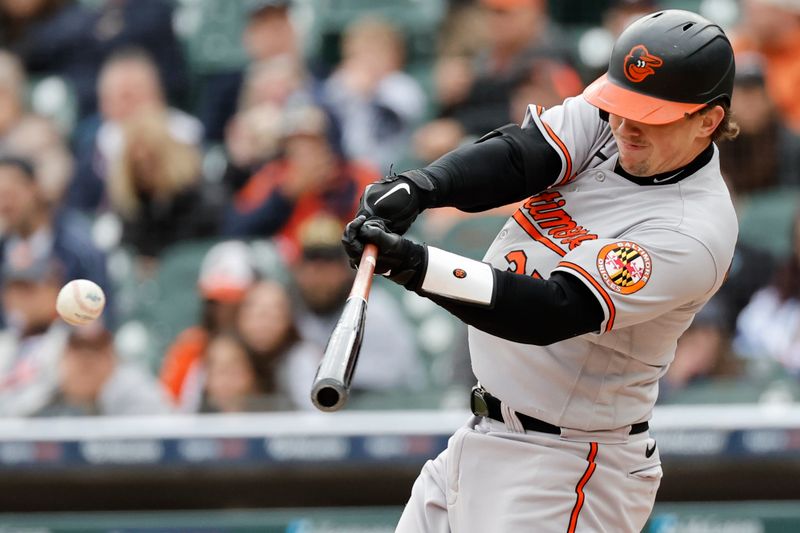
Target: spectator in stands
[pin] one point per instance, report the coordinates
(231, 384)
(53, 37)
(13, 84)
(284, 362)
(32, 344)
(128, 86)
(156, 187)
(704, 351)
(766, 153)
(311, 176)
(703, 355)
(33, 137)
(226, 275)
(253, 134)
(269, 34)
(463, 30)
(93, 381)
(38, 139)
(772, 27)
(376, 103)
(474, 96)
(70, 39)
(125, 24)
(545, 82)
(322, 280)
(769, 326)
(252, 139)
(31, 222)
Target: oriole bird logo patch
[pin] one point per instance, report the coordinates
(625, 267)
(640, 63)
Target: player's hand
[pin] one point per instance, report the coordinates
(401, 260)
(395, 199)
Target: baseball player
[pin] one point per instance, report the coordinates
(625, 231)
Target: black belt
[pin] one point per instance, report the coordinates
(484, 404)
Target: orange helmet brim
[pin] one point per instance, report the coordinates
(617, 100)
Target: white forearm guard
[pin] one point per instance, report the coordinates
(457, 277)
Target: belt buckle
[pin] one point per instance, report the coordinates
(477, 402)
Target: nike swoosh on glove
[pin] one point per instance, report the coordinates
(395, 199)
(399, 259)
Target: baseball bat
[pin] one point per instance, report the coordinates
(332, 383)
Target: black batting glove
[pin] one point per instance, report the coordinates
(396, 199)
(399, 259)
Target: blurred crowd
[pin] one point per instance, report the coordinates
(120, 158)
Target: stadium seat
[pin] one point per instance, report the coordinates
(765, 220)
(54, 97)
(211, 32)
(418, 20)
(719, 391)
(161, 306)
(168, 303)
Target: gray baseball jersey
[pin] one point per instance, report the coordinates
(651, 254)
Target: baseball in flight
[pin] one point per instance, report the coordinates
(80, 302)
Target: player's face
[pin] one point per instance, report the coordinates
(646, 149)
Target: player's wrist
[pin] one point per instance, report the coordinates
(412, 269)
(457, 277)
(397, 199)
(424, 189)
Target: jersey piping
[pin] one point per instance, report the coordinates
(609, 303)
(558, 145)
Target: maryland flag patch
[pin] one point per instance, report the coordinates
(624, 266)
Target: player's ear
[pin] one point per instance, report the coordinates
(710, 118)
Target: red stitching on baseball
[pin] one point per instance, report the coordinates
(79, 300)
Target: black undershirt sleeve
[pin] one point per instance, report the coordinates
(505, 166)
(530, 310)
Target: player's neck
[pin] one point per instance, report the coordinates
(671, 176)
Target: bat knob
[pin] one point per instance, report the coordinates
(328, 395)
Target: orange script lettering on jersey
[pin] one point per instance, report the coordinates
(546, 210)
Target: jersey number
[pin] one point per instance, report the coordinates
(517, 261)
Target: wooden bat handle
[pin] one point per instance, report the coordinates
(366, 268)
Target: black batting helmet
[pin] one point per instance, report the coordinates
(663, 66)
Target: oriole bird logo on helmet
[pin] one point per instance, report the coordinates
(640, 63)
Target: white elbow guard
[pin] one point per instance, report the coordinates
(457, 277)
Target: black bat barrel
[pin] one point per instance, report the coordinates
(332, 382)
